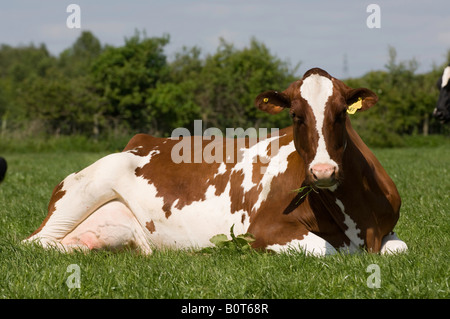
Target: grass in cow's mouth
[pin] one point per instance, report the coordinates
(305, 190)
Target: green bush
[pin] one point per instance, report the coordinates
(100, 91)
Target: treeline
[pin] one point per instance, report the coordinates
(405, 105)
(100, 91)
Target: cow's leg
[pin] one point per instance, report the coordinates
(112, 226)
(391, 244)
(310, 244)
(80, 194)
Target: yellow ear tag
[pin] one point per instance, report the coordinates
(266, 100)
(355, 106)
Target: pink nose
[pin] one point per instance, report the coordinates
(324, 173)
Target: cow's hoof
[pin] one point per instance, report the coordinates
(391, 244)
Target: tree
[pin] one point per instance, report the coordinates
(232, 78)
(77, 60)
(171, 105)
(94, 90)
(17, 66)
(406, 101)
(60, 95)
(174, 101)
(124, 77)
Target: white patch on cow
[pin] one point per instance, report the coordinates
(277, 165)
(332, 188)
(194, 224)
(96, 185)
(138, 193)
(391, 244)
(113, 225)
(249, 157)
(311, 244)
(445, 76)
(222, 169)
(316, 90)
(352, 229)
(141, 197)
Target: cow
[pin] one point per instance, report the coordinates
(320, 191)
(442, 110)
(3, 168)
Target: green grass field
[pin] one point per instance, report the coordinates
(422, 176)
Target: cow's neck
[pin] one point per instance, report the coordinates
(359, 200)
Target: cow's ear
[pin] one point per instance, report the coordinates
(272, 102)
(360, 100)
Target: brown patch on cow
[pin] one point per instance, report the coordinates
(166, 209)
(236, 191)
(220, 181)
(57, 194)
(259, 168)
(150, 226)
(142, 144)
(139, 152)
(182, 182)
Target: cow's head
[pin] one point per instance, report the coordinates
(318, 105)
(442, 110)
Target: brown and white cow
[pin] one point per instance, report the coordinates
(142, 198)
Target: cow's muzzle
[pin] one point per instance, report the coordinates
(443, 118)
(324, 175)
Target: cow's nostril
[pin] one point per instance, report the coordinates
(312, 173)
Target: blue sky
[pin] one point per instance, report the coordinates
(315, 33)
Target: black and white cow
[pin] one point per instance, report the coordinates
(3, 167)
(442, 110)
